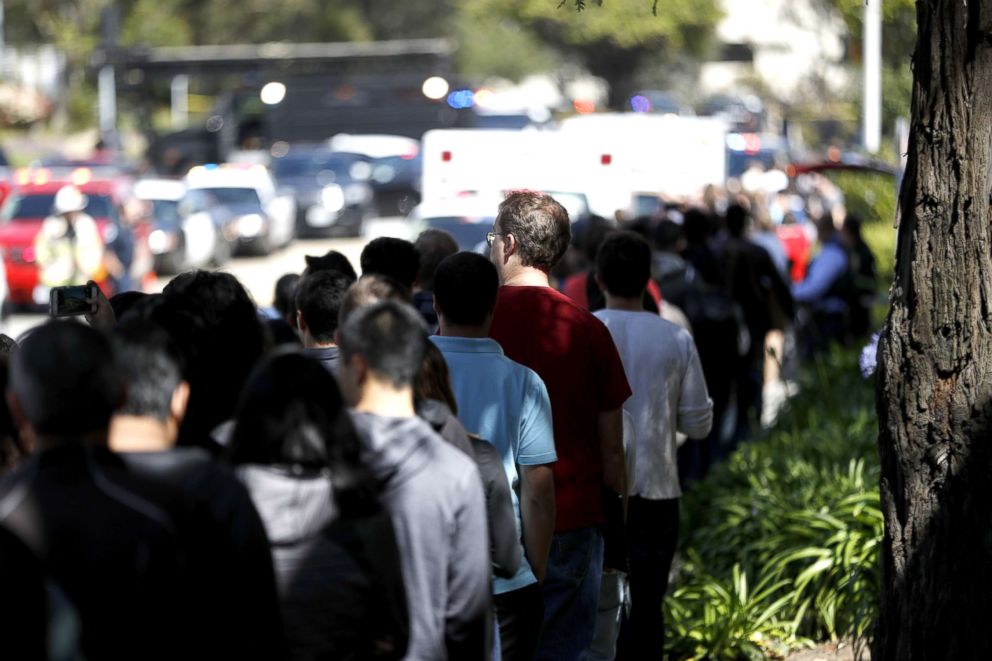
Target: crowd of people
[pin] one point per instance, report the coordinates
(445, 458)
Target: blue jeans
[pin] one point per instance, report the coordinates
(571, 594)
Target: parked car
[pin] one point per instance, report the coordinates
(396, 183)
(263, 219)
(396, 168)
(182, 236)
(331, 188)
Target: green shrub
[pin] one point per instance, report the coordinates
(797, 516)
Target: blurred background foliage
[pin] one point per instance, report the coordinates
(631, 44)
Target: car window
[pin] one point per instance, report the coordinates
(32, 207)
(233, 196)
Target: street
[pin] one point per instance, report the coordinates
(259, 274)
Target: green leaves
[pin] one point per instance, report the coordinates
(797, 517)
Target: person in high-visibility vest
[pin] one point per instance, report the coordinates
(69, 249)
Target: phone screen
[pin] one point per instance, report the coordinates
(70, 301)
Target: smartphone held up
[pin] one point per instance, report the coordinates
(72, 301)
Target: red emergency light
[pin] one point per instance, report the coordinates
(446, 156)
(606, 159)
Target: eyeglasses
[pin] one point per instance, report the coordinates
(491, 236)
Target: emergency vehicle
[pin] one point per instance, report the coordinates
(610, 157)
(30, 202)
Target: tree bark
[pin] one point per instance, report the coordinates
(934, 393)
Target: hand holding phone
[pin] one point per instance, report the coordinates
(72, 301)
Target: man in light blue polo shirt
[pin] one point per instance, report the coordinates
(507, 404)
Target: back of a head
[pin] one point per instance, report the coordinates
(396, 258)
(433, 245)
(852, 225)
(589, 241)
(151, 366)
(285, 294)
(390, 337)
(286, 413)
(318, 298)
(332, 260)
(465, 288)
(291, 414)
(231, 342)
(224, 301)
(65, 380)
(697, 226)
(368, 290)
(667, 235)
(178, 318)
(540, 226)
(642, 225)
(624, 264)
(122, 302)
(737, 218)
(825, 226)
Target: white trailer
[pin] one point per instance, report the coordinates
(607, 157)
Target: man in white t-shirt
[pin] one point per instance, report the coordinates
(669, 396)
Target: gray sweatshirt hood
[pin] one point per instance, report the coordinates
(392, 443)
(292, 507)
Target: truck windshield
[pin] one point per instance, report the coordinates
(33, 207)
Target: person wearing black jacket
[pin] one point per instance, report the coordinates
(754, 283)
(131, 554)
(244, 611)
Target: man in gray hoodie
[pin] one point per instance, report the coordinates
(433, 491)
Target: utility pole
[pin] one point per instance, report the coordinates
(872, 62)
(107, 78)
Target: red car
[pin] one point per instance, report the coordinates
(30, 202)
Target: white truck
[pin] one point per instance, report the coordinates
(608, 157)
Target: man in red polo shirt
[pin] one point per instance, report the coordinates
(574, 354)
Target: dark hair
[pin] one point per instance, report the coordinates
(124, 301)
(285, 294)
(667, 235)
(12, 447)
(587, 236)
(540, 226)
(624, 264)
(641, 225)
(179, 318)
(368, 290)
(291, 413)
(390, 337)
(433, 245)
(151, 366)
(697, 226)
(737, 217)
(65, 380)
(318, 298)
(465, 288)
(332, 260)
(231, 339)
(852, 225)
(394, 257)
(434, 378)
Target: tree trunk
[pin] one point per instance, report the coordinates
(935, 356)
